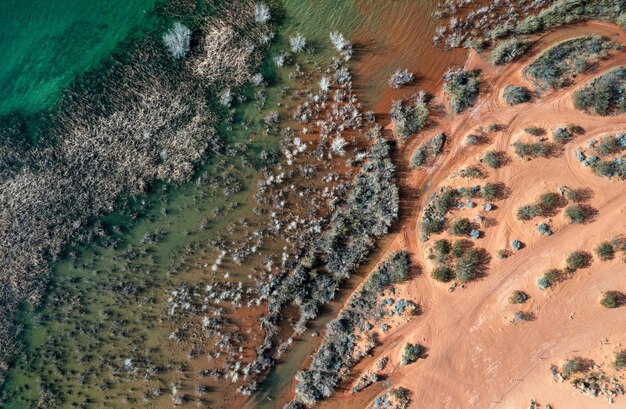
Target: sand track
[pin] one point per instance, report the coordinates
(476, 358)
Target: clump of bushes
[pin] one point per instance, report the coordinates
(562, 135)
(557, 66)
(494, 159)
(400, 78)
(518, 297)
(335, 352)
(508, 50)
(462, 88)
(604, 95)
(434, 218)
(461, 227)
(533, 150)
(620, 360)
(580, 213)
(578, 259)
(409, 116)
(469, 266)
(613, 299)
(546, 205)
(514, 95)
(605, 251)
(432, 147)
(549, 278)
(443, 274)
(535, 131)
(411, 353)
(574, 365)
(544, 229)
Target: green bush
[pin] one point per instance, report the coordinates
(442, 274)
(579, 213)
(490, 191)
(462, 88)
(605, 251)
(612, 299)
(419, 158)
(604, 95)
(535, 131)
(469, 265)
(514, 95)
(508, 50)
(548, 202)
(574, 365)
(441, 250)
(528, 212)
(533, 150)
(493, 159)
(461, 227)
(577, 260)
(411, 353)
(556, 66)
(518, 297)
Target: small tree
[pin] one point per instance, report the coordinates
(528, 212)
(612, 299)
(468, 265)
(548, 202)
(579, 213)
(605, 251)
(461, 227)
(577, 260)
(517, 245)
(518, 297)
(411, 353)
(514, 95)
(493, 159)
(442, 274)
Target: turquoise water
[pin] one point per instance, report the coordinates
(45, 44)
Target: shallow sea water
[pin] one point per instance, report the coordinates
(44, 44)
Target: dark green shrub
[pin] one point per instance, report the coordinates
(419, 158)
(562, 135)
(534, 131)
(518, 297)
(533, 150)
(490, 191)
(459, 247)
(409, 116)
(604, 95)
(577, 260)
(442, 274)
(411, 353)
(548, 202)
(437, 143)
(574, 365)
(493, 159)
(612, 299)
(460, 227)
(441, 250)
(508, 50)
(579, 213)
(528, 212)
(605, 251)
(462, 88)
(514, 95)
(556, 67)
(469, 265)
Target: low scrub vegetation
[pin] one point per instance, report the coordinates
(556, 67)
(534, 150)
(508, 50)
(462, 88)
(604, 95)
(547, 204)
(336, 352)
(613, 299)
(518, 297)
(514, 95)
(580, 213)
(411, 353)
(409, 116)
(578, 260)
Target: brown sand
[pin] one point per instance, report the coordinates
(476, 358)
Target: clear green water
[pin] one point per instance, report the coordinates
(44, 44)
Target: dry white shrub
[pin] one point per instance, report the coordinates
(177, 40)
